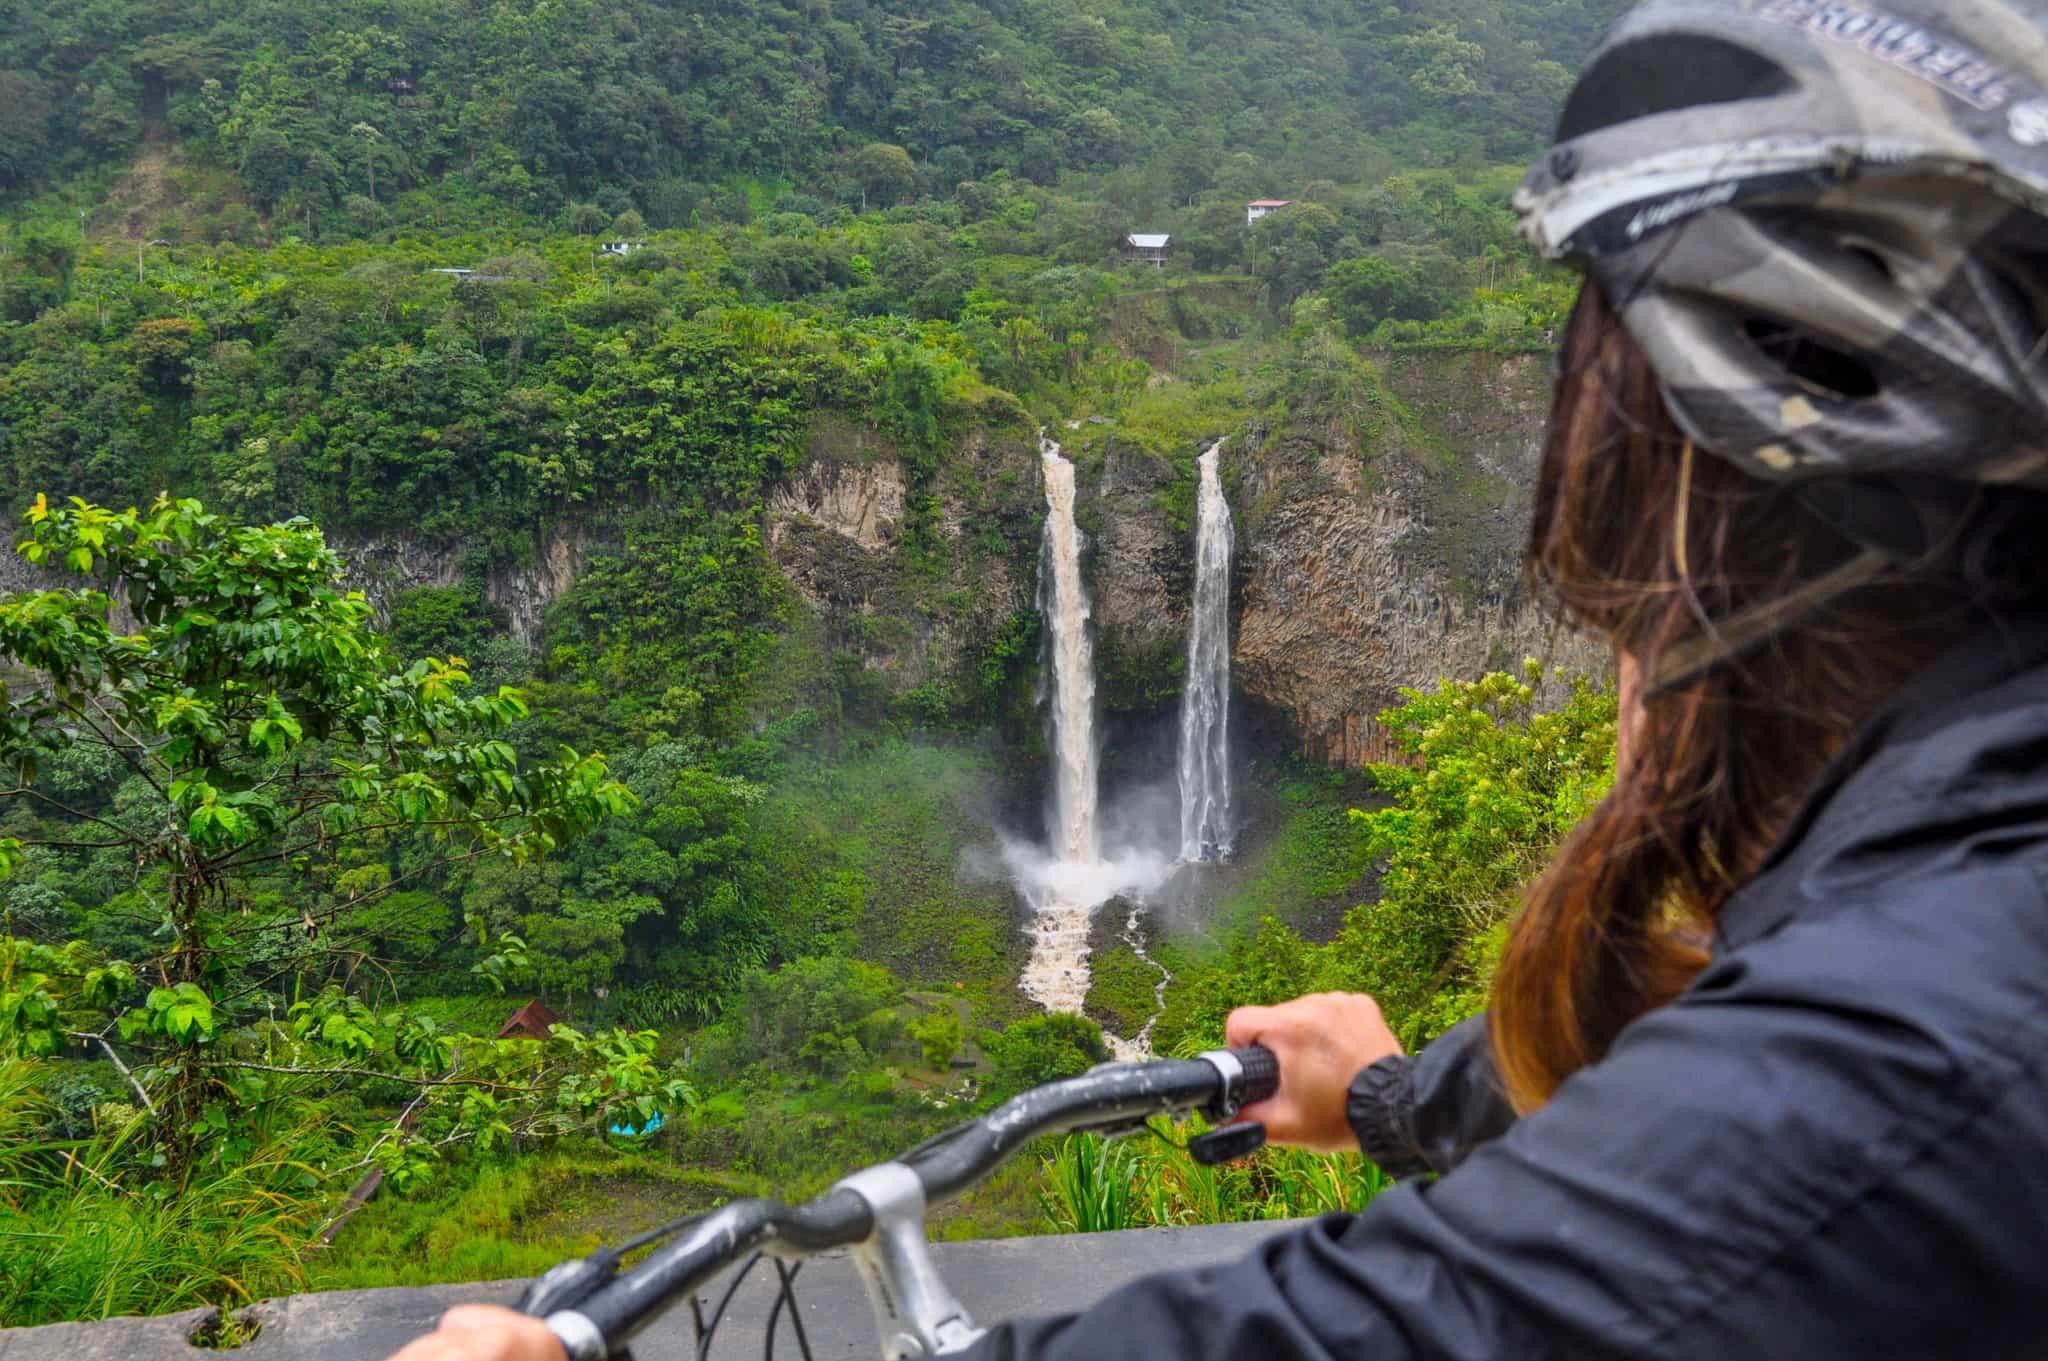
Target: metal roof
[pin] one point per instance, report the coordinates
(1269, 203)
(1148, 242)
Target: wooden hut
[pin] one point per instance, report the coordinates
(530, 1022)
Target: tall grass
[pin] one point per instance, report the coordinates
(1091, 1184)
(83, 1237)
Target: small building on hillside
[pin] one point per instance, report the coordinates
(1146, 248)
(1260, 207)
(619, 247)
(470, 276)
(530, 1022)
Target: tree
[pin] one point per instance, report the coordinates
(1294, 248)
(269, 166)
(262, 726)
(1084, 40)
(24, 124)
(584, 219)
(827, 1014)
(939, 1037)
(111, 124)
(373, 142)
(1099, 135)
(1372, 289)
(1441, 63)
(883, 170)
(1191, 163)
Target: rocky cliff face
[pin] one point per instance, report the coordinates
(1140, 577)
(1363, 570)
(839, 529)
(915, 613)
(523, 589)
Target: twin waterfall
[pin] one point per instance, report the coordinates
(1205, 704)
(1066, 886)
(1063, 602)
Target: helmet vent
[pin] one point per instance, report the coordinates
(1818, 368)
(1868, 255)
(1663, 72)
(2026, 271)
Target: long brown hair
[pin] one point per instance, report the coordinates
(1651, 542)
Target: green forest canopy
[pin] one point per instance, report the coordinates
(647, 106)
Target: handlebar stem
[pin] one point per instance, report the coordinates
(915, 1313)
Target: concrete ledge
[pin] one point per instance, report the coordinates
(995, 1278)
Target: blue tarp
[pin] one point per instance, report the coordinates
(652, 1125)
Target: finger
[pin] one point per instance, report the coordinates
(1244, 1025)
(490, 1333)
(432, 1347)
(1281, 1117)
(478, 1316)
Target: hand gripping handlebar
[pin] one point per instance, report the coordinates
(594, 1309)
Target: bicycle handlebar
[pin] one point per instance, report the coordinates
(618, 1310)
(1109, 1097)
(595, 1310)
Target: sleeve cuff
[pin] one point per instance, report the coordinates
(1380, 1108)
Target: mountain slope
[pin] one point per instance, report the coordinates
(645, 105)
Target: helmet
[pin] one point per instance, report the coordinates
(1827, 227)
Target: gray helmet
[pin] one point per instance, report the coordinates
(1826, 225)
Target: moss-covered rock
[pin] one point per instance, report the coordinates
(1123, 985)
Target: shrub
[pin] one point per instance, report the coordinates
(939, 1037)
(1044, 1049)
(826, 1014)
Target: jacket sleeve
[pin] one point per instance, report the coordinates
(1425, 1113)
(1791, 1161)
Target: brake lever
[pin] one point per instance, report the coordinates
(1230, 1141)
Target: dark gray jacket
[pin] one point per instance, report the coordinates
(1835, 1144)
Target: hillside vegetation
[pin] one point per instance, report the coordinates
(319, 288)
(482, 109)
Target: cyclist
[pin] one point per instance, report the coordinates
(1763, 1074)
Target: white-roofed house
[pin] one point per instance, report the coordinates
(1147, 248)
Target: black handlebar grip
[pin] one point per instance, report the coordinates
(567, 1284)
(1261, 1073)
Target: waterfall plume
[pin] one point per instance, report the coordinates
(1205, 830)
(1066, 880)
(1064, 603)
